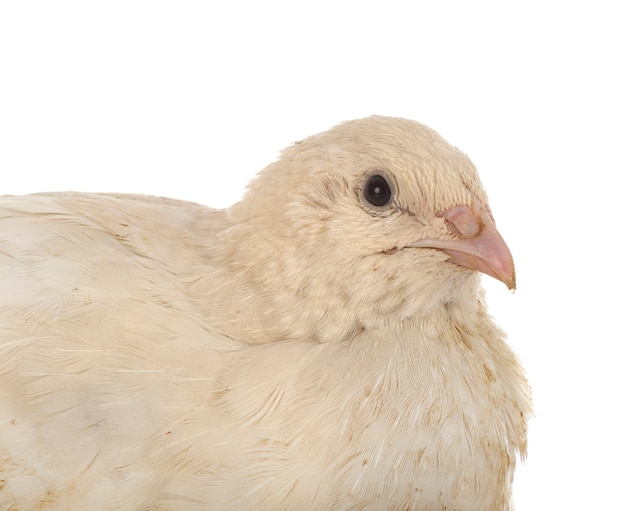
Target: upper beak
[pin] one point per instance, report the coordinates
(477, 244)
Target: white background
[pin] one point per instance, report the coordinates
(188, 100)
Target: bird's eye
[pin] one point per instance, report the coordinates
(377, 191)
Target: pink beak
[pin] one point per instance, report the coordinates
(477, 245)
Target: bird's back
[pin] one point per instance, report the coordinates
(93, 316)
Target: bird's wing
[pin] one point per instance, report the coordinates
(92, 317)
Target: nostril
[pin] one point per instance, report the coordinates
(453, 229)
(461, 221)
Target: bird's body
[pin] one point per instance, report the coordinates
(303, 349)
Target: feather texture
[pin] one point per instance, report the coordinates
(303, 349)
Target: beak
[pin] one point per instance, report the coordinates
(476, 245)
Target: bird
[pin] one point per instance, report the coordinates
(323, 344)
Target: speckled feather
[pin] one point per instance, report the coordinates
(291, 352)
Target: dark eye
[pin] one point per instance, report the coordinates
(377, 191)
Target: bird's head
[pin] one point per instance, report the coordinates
(375, 211)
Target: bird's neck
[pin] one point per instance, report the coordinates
(273, 290)
(258, 309)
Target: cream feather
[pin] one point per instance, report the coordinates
(302, 349)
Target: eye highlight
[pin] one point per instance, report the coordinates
(377, 190)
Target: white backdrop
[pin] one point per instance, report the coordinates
(188, 100)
